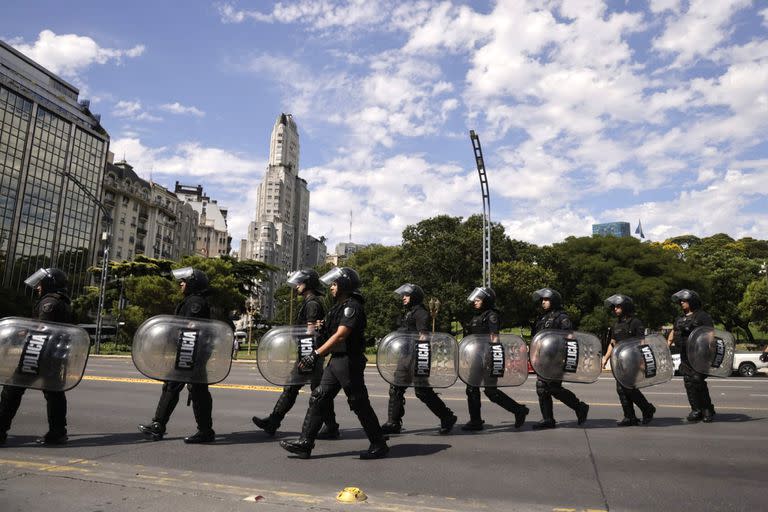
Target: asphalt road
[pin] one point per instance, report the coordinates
(667, 465)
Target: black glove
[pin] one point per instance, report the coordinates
(307, 363)
(764, 357)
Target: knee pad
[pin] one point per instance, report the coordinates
(542, 389)
(473, 392)
(397, 392)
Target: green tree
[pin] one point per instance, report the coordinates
(754, 304)
(590, 269)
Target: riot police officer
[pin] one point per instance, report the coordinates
(344, 329)
(627, 326)
(486, 321)
(415, 319)
(50, 284)
(695, 383)
(194, 287)
(307, 284)
(554, 317)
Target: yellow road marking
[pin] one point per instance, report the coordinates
(277, 389)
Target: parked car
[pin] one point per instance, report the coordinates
(745, 364)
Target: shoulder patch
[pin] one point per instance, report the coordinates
(195, 307)
(47, 307)
(493, 318)
(349, 312)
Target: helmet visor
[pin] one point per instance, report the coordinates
(477, 293)
(406, 289)
(297, 278)
(183, 273)
(331, 276)
(35, 278)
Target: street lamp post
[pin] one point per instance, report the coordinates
(106, 238)
(250, 310)
(434, 308)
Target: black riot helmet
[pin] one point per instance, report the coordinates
(690, 296)
(197, 281)
(555, 299)
(345, 278)
(50, 279)
(412, 290)
(484, 293)
(308, 277)
(626, 303)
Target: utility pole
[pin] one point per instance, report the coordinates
(486, 207)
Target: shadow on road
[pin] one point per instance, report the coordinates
(396, 451)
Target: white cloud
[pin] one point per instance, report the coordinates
(723, 206)
(699, 30)
(71, 54)
(316, 14)
(178, 108)
(133, 110)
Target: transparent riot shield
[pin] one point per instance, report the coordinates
(642, 362)
(278, 354)
(42, 355)
(499, 363)
(181, 349)
(423, 361)
(569, 356)
(710, 351)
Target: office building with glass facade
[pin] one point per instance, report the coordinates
(611, 229)
(49, 142)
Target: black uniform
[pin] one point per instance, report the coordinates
(192, 306)
(487, 322)
(546, 389)
(344, 371)
(625, 328)
(311, 311)
(52, 307)
(695, 382)
(415, 319)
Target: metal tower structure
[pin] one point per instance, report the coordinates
(486, 207)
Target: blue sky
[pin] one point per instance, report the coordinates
(587, 111)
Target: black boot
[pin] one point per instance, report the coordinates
(581, 413)
(3, 437)
(446, 424)
(707, 415)
(473, 404)
(395, 410)
(376, 450)
(153, 430)
(628, 422)
(301, 447)
(520, 415)
(53, 438)
(694, 416)
(198, 437)
(648, 414)
(329, 431)
(545, 424)
(266, 424)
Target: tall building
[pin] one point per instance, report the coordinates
(279, 231)
(315, 251)
(213, 238)
(611, 229)
(148, 218)
(49, 143)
